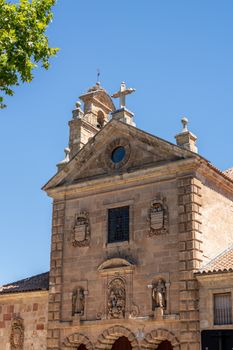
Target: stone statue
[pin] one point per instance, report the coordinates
(78, 302)
(17, 334)
(116, 299)
(159, 294)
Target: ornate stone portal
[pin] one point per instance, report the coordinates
(116, 299)
(81, 230)
(17, 334)
(78, 302)
(158, 216)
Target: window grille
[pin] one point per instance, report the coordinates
(222, 309)
(118, 224)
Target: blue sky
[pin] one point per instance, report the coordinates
(179, 57)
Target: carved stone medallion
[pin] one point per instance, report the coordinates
(17, 334)
(81, 230)
(116, 299)
(158, 216)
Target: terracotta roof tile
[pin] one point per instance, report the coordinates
(38, 282)
(221, 263)
(229, 173)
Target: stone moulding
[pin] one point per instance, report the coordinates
(155, 337)
(74, 340)
(158, 216)
(81, 230)
(119, 142)
(110, 335)
(114, 264)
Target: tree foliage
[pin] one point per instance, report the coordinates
(23, 43)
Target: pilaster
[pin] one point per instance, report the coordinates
(190, 257)
(55, 276)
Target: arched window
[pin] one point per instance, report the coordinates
(100, 119)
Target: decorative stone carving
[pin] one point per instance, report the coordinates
(134, 311)
(81, 230)
(158, 216)
(78, 302)
(99, 315)
(116, 299)
(159, 295)
(17, 334)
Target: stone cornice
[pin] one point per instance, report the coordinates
(214, 175)
(140, 177)
(24, 295)
(143, 176)
(210, 275)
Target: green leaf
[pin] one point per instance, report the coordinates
(23, 42)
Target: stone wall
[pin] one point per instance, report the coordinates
(217, 220)
(152, 257)
(210, 284)
(32, 308)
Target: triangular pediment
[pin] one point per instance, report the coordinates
(94, 160)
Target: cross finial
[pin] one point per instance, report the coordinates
(98, 76)
(122, 93)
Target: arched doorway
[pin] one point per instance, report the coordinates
(165, 345)
(82, 347)
(122, 343)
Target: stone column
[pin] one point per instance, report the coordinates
(55, 276)
(190, 257)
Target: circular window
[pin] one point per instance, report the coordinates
(118, 154)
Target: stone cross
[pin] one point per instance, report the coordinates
(122, 93)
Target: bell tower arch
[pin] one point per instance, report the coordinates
(97, 105)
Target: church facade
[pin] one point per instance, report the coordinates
(137, 225)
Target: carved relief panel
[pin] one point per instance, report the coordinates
(158, 216)
(81, 230)
(17, 334)
(117, 282)
(116, 298)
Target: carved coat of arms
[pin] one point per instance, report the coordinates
(158, 216)
(81, 230)
(17, 334)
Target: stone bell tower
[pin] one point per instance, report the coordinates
(87, 122)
